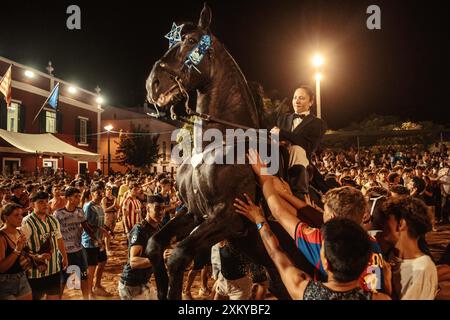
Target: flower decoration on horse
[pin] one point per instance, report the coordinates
(196, 55)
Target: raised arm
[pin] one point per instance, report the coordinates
(293, 278)
(283, 212)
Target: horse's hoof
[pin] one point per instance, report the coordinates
(186, 296)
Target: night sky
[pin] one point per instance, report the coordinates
(401, 69)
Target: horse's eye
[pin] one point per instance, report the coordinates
(191, 41)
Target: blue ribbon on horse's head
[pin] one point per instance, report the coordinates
(196, 55)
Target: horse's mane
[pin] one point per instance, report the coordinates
(267, 115)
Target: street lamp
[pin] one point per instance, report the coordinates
(29, 74)
(99, 100)
(318, 61)
(318, 77)
(108, 129)
(72, 90)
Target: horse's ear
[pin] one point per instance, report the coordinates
(205, 17)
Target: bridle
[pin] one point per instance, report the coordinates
(194, 58)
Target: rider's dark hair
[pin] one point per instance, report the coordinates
(308, 90)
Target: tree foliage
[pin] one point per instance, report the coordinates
(138, 148)
(381, 131)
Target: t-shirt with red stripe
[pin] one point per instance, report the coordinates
(131, 208)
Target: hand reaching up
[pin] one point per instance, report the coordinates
(255, 161)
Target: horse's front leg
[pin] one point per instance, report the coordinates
(203, 238)
(178, 227)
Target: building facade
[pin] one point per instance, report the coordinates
(123, 119)
(75, 122)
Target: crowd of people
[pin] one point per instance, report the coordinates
(370, 243)
(56, 229)
(407, 171)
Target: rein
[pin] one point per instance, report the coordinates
(192, 112)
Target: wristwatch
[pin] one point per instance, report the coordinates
(260, 225)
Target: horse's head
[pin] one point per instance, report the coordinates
(185, 66)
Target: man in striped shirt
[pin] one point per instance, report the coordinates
(44, 239)
(131, 208)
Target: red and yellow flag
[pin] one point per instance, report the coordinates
(5, 86)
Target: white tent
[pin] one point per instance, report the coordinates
(48, 144)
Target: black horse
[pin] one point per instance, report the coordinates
(209, 190)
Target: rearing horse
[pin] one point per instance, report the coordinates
(208, 190)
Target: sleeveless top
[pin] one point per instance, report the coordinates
(15, 268)
(109, 203)
(317, 291)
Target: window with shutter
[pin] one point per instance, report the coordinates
(42, 121)
(50, 121)
(12, 122)
(77, 130)
(3, 114)
(83, 131)
(59, 122)
(89, 131)
(22, 118)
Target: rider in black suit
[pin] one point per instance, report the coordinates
(303, 132)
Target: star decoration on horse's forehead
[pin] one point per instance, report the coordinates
(174, 35)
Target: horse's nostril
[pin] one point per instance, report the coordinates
(155, 84)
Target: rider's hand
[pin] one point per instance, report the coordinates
(249, 209)
(275, 130)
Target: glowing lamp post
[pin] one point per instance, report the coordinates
(108, 129)
(318, 61)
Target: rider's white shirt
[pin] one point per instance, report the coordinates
(297, 121)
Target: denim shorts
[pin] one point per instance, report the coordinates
(13, 286)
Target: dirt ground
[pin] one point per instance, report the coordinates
(437, 242)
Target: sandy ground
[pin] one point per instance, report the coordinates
(437, 242)
(114, 267)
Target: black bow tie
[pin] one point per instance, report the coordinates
(301, 116)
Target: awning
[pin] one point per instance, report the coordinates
(48, 144)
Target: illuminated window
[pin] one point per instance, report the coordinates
(83, 131)
(13, 117)
(50, 121)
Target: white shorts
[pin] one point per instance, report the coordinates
(239, 289)
(142, 292)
